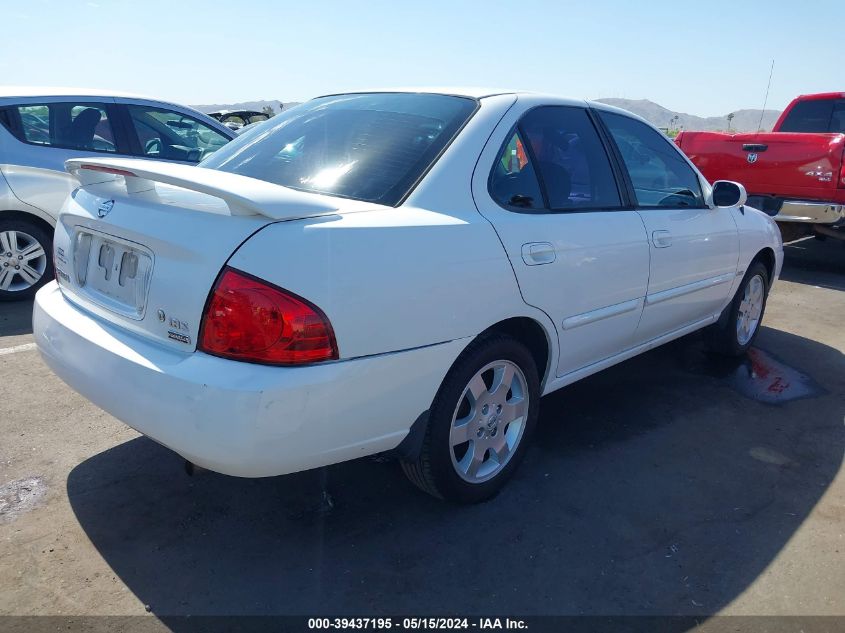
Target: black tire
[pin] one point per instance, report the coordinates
(723, 337)
(434, 471)
(28, 231)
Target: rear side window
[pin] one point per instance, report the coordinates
(813, 116)
(79, 126)
(660, 175)
(513, 181)
(372, 147)
(574, 167)
(169, 135)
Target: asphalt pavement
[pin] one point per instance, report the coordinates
(673, 483)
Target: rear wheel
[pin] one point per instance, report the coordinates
(25, 259)
(480, 422)
(739, 324)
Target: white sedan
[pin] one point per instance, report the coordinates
(405, 271)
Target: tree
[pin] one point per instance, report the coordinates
(673, 122)
(268, 110)
(730, 118)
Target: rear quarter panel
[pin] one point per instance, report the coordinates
(9, 202)
(390, 280)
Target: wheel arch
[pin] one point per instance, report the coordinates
(28, 217)
(767, 257)
(530, 333)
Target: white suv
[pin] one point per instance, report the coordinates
(41, 128)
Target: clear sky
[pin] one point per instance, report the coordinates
(704, 58)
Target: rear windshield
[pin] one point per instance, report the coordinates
(816, 115)
(371, 147)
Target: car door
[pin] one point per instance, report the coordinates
(694, 248)
(47, 132)
(547, 185)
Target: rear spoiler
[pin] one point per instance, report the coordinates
(243, 195)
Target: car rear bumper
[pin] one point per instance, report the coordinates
(810, 212)
(240, 418)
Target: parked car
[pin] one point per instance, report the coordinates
(795, 173)
(41, 128)
(316, 291)
(237, 119)
(248, 127)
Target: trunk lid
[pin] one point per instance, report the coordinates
(150, 262)
(145, 255)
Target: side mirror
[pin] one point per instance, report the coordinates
(727, 194)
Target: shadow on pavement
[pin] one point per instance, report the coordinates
(655, 487)
(15, 318)
(815, 263)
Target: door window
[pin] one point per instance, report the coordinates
(574, 167)
(169, 135)
(79, 126)
(103, 136)
(513, 181)
(660, 175)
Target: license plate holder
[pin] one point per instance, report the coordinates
(112, 272)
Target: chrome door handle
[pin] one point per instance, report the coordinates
(661, 239)
(536, 253)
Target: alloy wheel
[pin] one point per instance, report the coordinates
(489, 421)
(22, 261)
(750, 309)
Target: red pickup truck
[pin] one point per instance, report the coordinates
(795, 173)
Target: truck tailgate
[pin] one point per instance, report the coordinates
(798, 166)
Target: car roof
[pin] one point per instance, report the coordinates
(457, 91)
(30, 92)
(481, 93)
(52, 91)
(227, 112)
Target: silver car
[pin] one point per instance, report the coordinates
(41, 128)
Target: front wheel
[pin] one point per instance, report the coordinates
(739, 324)
(480, 422)
(25, 259)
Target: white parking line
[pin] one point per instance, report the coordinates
(17, 348)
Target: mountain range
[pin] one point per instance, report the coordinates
(257, 106)
(743, 120)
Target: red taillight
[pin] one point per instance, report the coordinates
(251, 320)
(842, 173)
